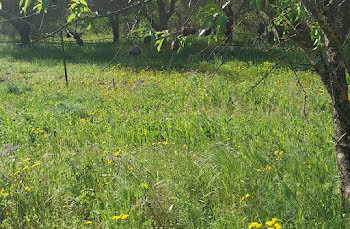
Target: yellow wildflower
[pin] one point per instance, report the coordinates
(121, 216)
(278, 226)
(245, 196)
(273, 223)
(88, 222)
(117, 152)
(254, 225)
(25, 167)
(25, 160)
(27, 188)
(36, 164)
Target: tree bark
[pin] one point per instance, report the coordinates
(114, 20)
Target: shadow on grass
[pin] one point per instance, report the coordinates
(192, 57)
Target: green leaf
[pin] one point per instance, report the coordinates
(207, 23)
(71, 17)
(45, 5)
(259, 4)
(221, 25)
(89, 26)
(26, 5)
(159, 44)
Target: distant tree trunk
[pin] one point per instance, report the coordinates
(114, 20)
(164, 16)
(24, 33)
(229, 21)
(9, 12)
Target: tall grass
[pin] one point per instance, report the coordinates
(168, 147)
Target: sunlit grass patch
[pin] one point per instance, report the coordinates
(159, 147)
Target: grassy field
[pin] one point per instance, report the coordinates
(175, 145)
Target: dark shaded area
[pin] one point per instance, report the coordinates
(190, 58)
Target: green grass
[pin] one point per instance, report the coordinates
(171, 147)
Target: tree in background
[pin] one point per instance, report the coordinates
(321, 29)
(159, 13)
(104, 6)
(11, 13)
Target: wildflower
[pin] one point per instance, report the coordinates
(121, 216)
(273, 223)
(165, 143)
(278, 226)
(27, 188)
(25, 160)
(245, 196)
(117, 152)
(36, 164)
(109, 161)
(254, 225)
(88, 222)
(25, 167)
(3, 193)
(279, 152)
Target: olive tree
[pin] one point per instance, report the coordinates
(320, 28)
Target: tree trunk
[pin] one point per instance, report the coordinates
(24, 33)
(9, 12)
(332, 72)
(163, 16)
(114, 20)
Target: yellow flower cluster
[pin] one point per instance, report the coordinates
(161, 143)
(26, 166)
(274, 223)
(39, 131)
(278, 155)
(268, 167)
(245, 196)
(121, 216)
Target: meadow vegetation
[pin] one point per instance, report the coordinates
(178, 145)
